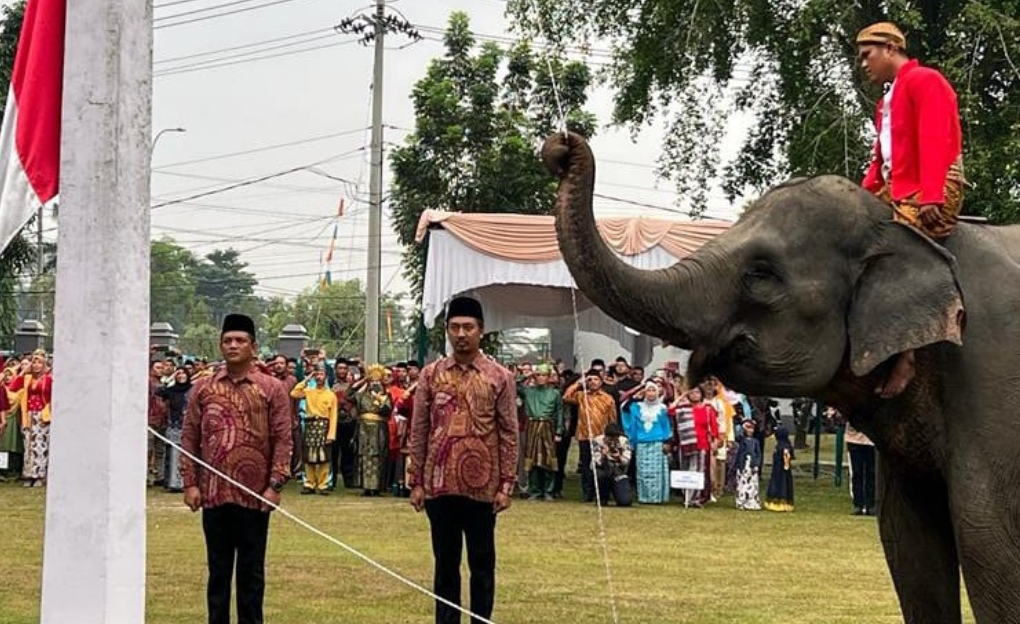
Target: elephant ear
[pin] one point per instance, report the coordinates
(906, 297)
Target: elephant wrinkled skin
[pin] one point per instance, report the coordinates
(814, 292)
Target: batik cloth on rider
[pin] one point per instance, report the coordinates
(944, 220)
(779, 496)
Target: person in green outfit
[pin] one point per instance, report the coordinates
(544, 407)
(10, 432)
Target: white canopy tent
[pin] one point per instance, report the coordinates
(512, 265)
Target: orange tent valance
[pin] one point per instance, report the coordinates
(532, 238)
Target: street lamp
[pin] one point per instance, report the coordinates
(155, 140)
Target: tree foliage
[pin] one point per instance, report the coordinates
(480, 113)
(334, 316)
(790, 65)
(180, 280)
(224, 284)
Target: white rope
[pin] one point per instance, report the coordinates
(322, 534)
(603, 540)
(552, 81)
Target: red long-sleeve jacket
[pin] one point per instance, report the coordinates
(926, 137)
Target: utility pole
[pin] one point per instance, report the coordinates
(373, 29)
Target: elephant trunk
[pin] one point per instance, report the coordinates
(641, 299)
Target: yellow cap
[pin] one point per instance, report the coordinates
(882, 33)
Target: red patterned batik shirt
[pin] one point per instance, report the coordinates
(243, 429)
(464, 430)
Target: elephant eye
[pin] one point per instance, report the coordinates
(762, 272)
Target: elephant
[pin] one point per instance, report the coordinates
(813, 292)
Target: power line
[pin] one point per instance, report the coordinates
(203, 66)
(224, 14)
(254, 44)
(312, 170)
(202, 10)
(307, 38)
(244, 183)
(264, 148)
(256, 211)
(163, 5)
(248, 56)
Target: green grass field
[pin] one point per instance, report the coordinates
(716, 565)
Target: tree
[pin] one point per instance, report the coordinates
(223, 282)
(334, 316)
(172, 283)
(277, 313)
(791, 65)
(473, 147)
(199, 336)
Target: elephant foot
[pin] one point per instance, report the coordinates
(902, 374)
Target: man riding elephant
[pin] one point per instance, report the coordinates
(916, 165)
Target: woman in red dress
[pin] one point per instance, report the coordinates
(35, 388)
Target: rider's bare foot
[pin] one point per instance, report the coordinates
(902, 374)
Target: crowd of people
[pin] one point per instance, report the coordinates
(642, 430)
(350, 429)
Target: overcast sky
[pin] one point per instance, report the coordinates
(311, 89)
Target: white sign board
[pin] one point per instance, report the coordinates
(686, 480)
(4, 461)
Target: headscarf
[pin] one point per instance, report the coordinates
(649, 411)
(180, 387)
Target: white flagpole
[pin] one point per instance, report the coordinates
(94, 559)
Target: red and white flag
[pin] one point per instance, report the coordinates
(30, 137)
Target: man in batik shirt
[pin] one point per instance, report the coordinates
(463, 458)
(239, 422)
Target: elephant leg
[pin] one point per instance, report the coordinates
(917, 536)
(987, 515)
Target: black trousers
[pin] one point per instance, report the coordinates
(236, 534)
(562, 451)
(616, 487)
(862, 471)
(341, 462)
(454, 521)
(587, 476)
